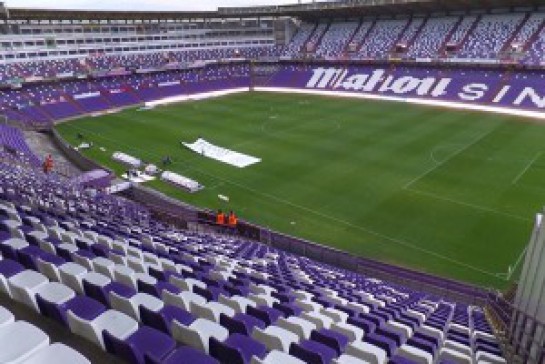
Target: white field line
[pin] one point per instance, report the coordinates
(526, 168)
(457, 152)
(517, 262)
(467, 204)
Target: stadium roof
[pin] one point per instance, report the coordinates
(345, 9)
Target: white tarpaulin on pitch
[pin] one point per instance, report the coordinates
(231, 157)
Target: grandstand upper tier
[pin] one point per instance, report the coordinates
(359, 30)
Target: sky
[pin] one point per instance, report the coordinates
(141, 5)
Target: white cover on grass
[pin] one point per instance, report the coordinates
(224, 155)
(181, 181)
(126, 159)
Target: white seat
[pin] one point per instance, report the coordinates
(83, 261)
(125, 275)
(183, 299)
(56, 293)
(297, 325)
(321, 321)
(48, 269)
(24, 285)
(70, 248)
(72, 275)
(275, 357)
(308, 306)
(96, 279)
(367, 352)
(415, 354)
(16, 243)
(198, 334)
(20, 340)
(275, 338)
(446, 354)
(348, 359)
(6, 317)
(336, 315)
(116, 323)
(137, 264)
(59, 354)
(400, 328)
(103, 266)
(237, 303)
(461, 348)
(134, 252)
(211, 310)
(353, 333)
(485, 357)
(131, 306)
(263, 299)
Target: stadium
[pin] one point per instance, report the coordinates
(350, 181)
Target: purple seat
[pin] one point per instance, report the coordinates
(100, 250)
(184, 355)
(333, 339)
(9, 268)
(237, 349)
(85, 308)
(396, 359)
(313, 352)
(289, 309)
(389, 345)
(366, 325)
(267, 314)
(102, 294)
(146, 342)
(157, 288)
(162, 319)
(241, 323)
(27, 256)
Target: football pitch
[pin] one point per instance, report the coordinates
(452, 193)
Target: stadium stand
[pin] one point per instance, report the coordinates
(107, 269)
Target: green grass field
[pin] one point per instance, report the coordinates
(448, 192)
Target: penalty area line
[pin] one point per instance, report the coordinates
(526, 168)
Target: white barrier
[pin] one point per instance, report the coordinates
(181, 181)
(126, 159)
(200, 96)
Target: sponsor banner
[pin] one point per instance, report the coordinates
(169, 83)
(86, 95)
(496, 88)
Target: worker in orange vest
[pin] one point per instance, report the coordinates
(232, 219)
(48, 164)
(220, 218)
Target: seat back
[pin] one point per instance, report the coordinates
(225, 353)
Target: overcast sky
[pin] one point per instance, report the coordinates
(141, 5)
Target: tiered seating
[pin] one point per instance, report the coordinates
(411, 31)
(535, 54)
(490, 35)
(22, 342)
(336, 38)
(299, 40)
(316, 35)
(101, 266)
(382, 38)
(432, 36)
(462, 29)
(360, 34)
(530, 27)
(56, 101)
